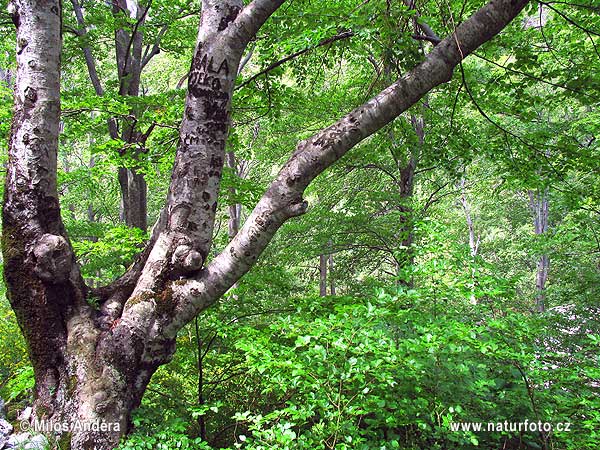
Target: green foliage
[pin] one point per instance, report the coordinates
(110, 250)
(370, 373)
(170, 438)
(15, 373)
(21, 384)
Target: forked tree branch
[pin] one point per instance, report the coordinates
(283, 199)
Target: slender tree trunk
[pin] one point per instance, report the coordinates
(405, 184)
(130, 63)
(473, 238)
(322, 275)
(134, 206)
(235, 209)
(200, 367)
(538, 203)
(326, 277)
(331, 275)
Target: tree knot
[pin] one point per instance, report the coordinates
(53, 258)
(186, 259)
(297, 209)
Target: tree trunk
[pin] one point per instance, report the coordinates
(538, 203)
(235, 209)
(331, 277)
(322, 275)
(473, 238)
(83, 372)
(134, 207)
(130, 63)
(92, 364)
(406, 182)
(6, 75)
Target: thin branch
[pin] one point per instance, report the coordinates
(149, 54)
(87, 52)
(569, 20)
(533, 77)
(421, 37)
(377, 167)
(274, 65)
(246, 59)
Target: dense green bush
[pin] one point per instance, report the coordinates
(351, 373)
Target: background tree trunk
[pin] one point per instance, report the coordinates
(129, 48)
(538, 203)
(473, 238)
(235, 209)
(130, 64)
(323, 275)
(331, 275)
(6, 75)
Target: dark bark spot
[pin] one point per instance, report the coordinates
(30, 94)
(216, 161)
(205, 196)
(189, 113)
(190, 139)
(13, 10)
(200, 63)
(229, 17)
(21, 44)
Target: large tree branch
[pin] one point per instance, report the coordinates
(283, 199)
